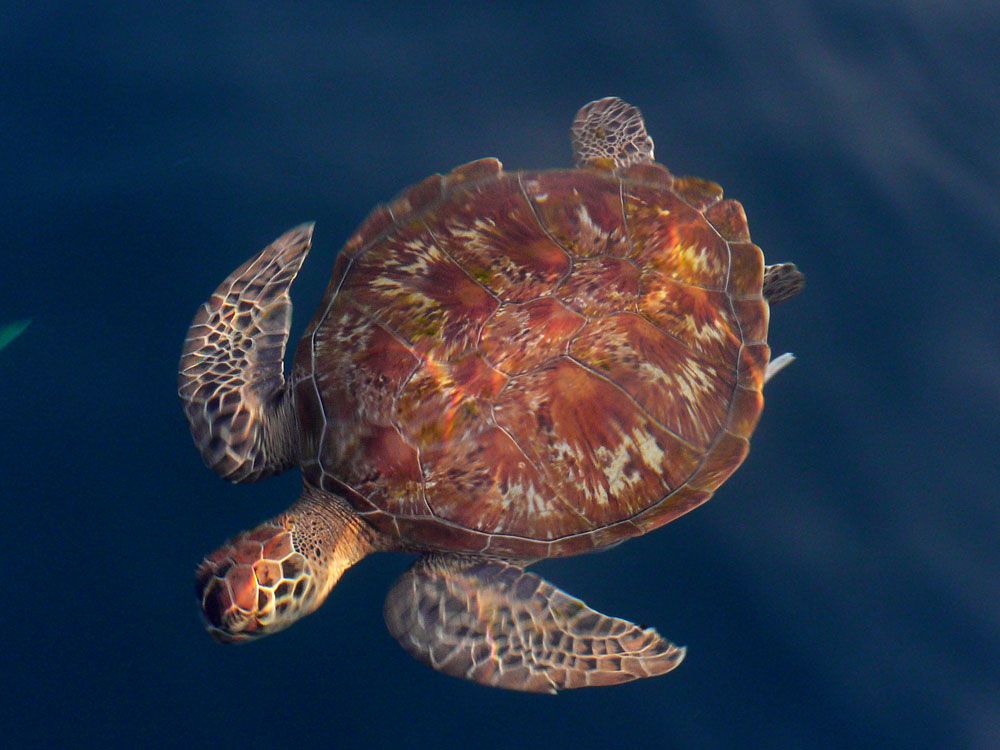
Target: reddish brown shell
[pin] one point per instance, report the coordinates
(536, 364)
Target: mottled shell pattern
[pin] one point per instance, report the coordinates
(536, 364)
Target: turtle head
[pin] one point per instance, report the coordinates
(263, 580)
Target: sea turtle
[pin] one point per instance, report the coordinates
(505, 367)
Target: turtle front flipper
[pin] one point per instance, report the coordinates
(232, 378)
(495, 624)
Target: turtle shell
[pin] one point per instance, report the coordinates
(536, 364)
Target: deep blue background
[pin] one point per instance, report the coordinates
(841, 590)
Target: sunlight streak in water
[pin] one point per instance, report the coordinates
(11, 331)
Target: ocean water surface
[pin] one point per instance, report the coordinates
(842, 590)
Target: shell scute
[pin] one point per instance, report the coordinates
(521, 336)
(696, 192)
(674, 505)
(596, 447)
(535, 364)
(491, 230)
(378, 222)
(428, 532)
(418, 198)
(700, 319)
(649, 173)
(582, 211)
(420, 293)
(725, 457)
(671, 238)
(753, 365)
(753, 315)
(601, 286)
(385, 469)
(746, 275)
(474, 171)
(729, 220)
(515, 547)
(613, 534)
(744, 412)
(511, 494)
(686, 395)
(445, 403)
(359, 365)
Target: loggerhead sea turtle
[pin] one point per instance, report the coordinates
(505, 367)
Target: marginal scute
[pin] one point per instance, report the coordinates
(753, 315)
(578, 544)
(427, 532)
(417, 198)
(744, 412)
(613, 534)
(753, 365)
(377, 223)
(474, 171)
(746, 273)
(674, 505)
(725, 457)
(697, 192)
(729, 220)
(649, 174)
(514, 547)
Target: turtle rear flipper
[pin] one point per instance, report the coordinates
(495, 624)
(782, 281)
(231, 376)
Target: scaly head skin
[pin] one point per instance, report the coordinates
(263, 580)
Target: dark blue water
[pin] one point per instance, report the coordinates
(841, 590)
